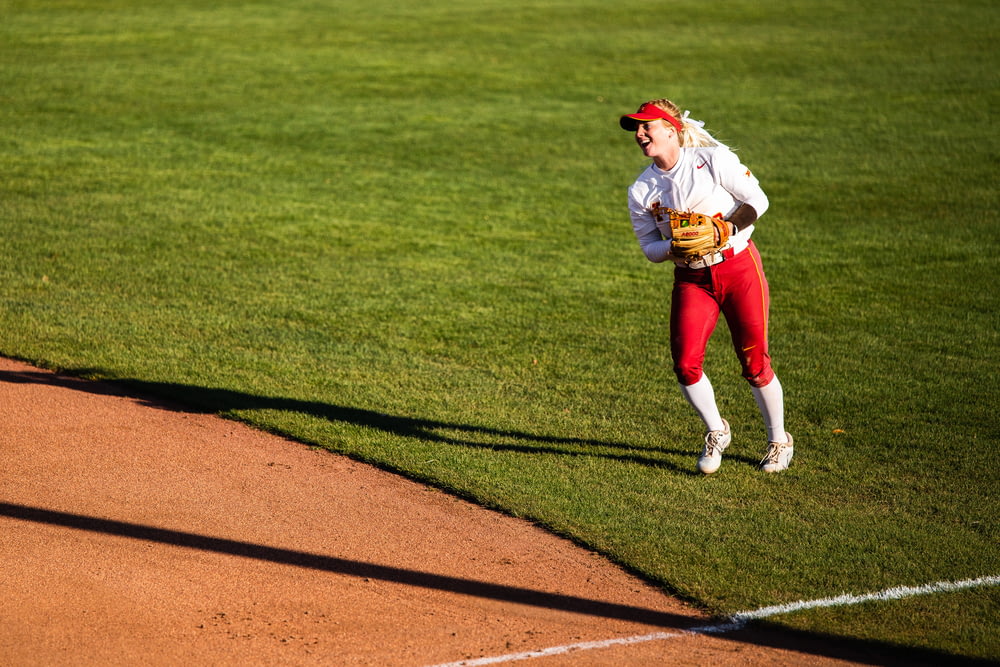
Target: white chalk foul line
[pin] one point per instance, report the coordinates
(888, 594)
(737, 621)
(587, 646)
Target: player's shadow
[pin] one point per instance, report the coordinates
(192, 398)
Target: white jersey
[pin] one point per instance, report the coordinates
(709, 180)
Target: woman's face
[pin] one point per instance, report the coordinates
(658, 141)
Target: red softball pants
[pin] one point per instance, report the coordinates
(738, 289)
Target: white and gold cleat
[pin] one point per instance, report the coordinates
(778, 456)
(715, 443)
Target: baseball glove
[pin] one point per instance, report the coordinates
(693, 234)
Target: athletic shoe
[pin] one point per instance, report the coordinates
(715, 443)
(779, 455)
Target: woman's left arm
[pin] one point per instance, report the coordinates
(742, 217)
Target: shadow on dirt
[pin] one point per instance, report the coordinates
(343, 566)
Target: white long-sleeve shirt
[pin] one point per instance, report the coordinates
(705, 180)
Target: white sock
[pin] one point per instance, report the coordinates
(701, 396)
(771, 401)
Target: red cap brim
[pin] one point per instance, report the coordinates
(646, 113)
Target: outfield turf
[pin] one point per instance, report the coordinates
(398, 230)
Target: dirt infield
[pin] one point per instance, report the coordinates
(135, 533)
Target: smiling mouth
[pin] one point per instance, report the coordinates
(644, 143)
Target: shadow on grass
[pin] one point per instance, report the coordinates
(190, 398)
(849, 649)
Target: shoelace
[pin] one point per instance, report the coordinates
(712, 441)
(774, 451)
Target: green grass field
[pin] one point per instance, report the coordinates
(398, 230)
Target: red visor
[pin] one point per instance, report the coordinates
(646, 113)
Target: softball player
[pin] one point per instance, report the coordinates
(691, 171)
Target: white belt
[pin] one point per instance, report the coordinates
(705, 261)
(727, 251)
